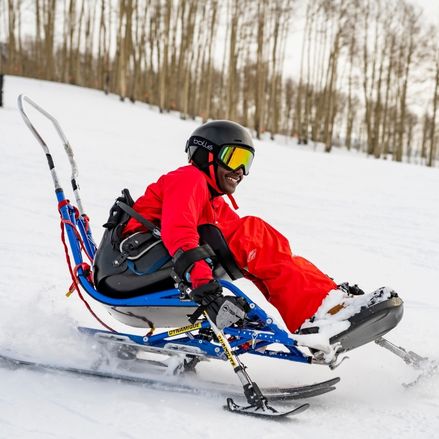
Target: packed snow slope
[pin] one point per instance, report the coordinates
(360, 220)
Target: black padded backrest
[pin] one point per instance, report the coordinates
(212, 235)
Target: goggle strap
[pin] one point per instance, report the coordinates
(211, 177)
(211, 167)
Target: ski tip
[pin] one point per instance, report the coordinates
(300, 409)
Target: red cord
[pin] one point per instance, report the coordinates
(78, 237)
(83, 266)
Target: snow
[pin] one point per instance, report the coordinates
(361, 220)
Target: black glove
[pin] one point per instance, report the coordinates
(223, 310)
(354, 290)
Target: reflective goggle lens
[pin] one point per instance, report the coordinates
(234, 157)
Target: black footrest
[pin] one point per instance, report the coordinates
(370, 323)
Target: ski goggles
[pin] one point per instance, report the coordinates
(233, 157)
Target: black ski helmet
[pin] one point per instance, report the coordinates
(209, 139)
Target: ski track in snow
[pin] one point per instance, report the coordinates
(367, 221)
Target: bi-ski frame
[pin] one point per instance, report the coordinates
(191, 342)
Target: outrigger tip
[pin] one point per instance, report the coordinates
(263, 410)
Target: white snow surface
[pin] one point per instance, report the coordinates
(359, 219)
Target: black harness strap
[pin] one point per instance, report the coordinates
(131, 212)
(183, 260)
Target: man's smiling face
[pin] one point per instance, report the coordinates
(228, 180)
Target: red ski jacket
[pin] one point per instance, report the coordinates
(182, 200)
(179, 202)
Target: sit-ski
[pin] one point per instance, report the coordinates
(188, 344)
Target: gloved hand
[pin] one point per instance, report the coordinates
(200, 274)
(354, 290)
(223, 310)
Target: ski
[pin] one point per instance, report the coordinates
(293, 395)
(167, 383)
(300, 392)
(15, 362)
(263, 411)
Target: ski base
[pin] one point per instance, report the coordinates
(263, 411)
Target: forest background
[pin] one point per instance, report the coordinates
(365, 75)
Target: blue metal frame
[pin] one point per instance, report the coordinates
(261, 332)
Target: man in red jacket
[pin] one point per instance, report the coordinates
(220, 155)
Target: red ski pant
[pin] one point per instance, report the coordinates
(292, 284)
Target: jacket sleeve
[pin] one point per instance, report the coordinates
(184, 197)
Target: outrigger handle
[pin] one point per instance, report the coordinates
(258, 403)
(251, 391)
(68, 149)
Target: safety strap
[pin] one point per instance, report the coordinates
(183, 260)
(148, 224)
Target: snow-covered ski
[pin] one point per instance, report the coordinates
(168, 383)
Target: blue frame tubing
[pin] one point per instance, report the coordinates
(243, 340)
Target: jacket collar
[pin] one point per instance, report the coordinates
(214, 189)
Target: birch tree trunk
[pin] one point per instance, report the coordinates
(432, 149)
